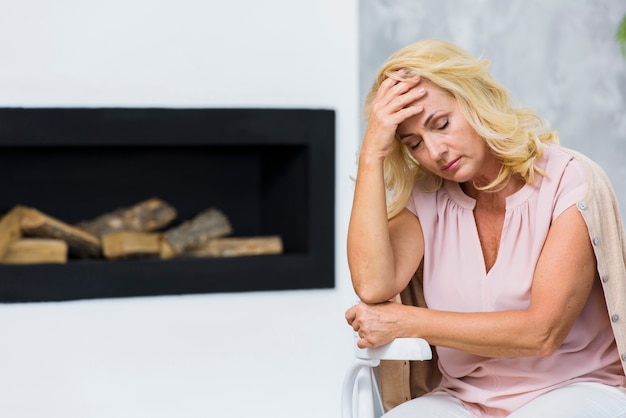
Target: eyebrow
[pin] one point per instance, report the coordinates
(426, 122)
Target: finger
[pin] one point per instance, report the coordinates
(364, 343)
(387, 84)
(404, 86)
(395, 105)
(410, 98)
(390, 119)
(392, 87)
(410, 111)
(351, 315)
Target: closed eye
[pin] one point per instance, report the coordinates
(415, 143)
(444, 125)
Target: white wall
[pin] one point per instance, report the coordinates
(278, 354)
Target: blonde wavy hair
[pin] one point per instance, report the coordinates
(514, 135)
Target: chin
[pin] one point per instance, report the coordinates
(457, 177)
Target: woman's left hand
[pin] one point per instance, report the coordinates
(376, 324)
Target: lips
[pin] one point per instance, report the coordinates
(451, 165)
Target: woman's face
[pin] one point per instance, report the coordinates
(443, 142)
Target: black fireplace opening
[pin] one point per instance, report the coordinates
(270, 171)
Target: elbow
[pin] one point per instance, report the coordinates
(371, 299)
(548, 349)
(374, 283)
(549, 342)
(371, 293)
(369, 296)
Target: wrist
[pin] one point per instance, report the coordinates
(412, 326)
(370, 158)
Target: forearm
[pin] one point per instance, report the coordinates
(502, 334)
(370, 243)
(370, 254)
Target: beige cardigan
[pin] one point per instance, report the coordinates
(401, 381)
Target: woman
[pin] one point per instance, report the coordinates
(452, 176)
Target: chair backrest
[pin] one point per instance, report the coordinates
(361, 397)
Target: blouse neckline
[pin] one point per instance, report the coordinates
(516, 199)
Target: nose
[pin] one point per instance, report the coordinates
(436, 147)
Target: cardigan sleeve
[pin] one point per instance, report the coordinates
(601, 213)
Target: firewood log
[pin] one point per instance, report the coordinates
(127, 244)
(211, 223)
(148, 215)
(39, 225)
(238, 246)
(35, 251)
(10, 228)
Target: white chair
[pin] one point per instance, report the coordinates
(360, 394)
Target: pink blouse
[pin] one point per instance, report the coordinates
(455, 280)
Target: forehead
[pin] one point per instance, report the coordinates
(437, 101)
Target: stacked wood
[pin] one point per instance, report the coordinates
(149, 215)
(237, 247)
(39, 225)
(28, 235)
(10, 229)
(36, 250)
(203, 227)
(131, 244)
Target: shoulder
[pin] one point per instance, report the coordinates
(597, 178)
(564, 181)
(599, 204)
(564, 168)
(557, 160)
(422, 196)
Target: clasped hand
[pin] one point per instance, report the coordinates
(376, 324)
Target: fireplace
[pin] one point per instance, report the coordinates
(271, 171)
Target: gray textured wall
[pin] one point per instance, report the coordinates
(558, 56)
